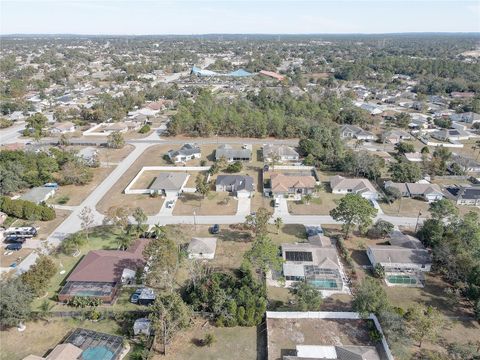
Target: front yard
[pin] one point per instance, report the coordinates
(215, 203)
(320, 205)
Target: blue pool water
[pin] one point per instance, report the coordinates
(97, 353)
(324, 284)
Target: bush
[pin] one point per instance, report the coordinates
(235, 167)
(144, 129)
(63, 199)
(39, 275)
(208, 340)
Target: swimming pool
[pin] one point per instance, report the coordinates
(97, 353)
(326, 284)
(402, 279)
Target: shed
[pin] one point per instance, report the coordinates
(142, 326)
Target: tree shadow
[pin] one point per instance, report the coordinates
(295, 230)
(236, 236)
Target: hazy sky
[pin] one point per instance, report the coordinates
(230, 16)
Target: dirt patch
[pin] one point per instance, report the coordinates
(114, 155)
(13, 257)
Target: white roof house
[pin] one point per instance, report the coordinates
(63, 128)
(202, 248)
(283, 152)
(363, 187)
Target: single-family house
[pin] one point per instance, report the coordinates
(395, 136)
(202, 248)
(101, 273)
(363, 187)
(282, 153)
(465, 195)
(466, 164)
(230, 154)
(372, 109)
(425, 190)
(451, 135)
(62, 128)
(466, 117)
(239, 185)
(39, 194)
(417, 156)
(355, 132)
(169, 183)
(404, 261)
(286, 184)
(185, 153)
(317, 264)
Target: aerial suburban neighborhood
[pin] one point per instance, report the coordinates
(239, 196)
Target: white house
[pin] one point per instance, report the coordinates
(363, 187)
(185, 153)
(63, 128)
(284, 153)
(355, 132)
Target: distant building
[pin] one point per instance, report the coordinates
(362, 187)
(355, 132)
(466, 164)
(185, 153)
(395, 136)
(467, 117)
(63, 128)
(272, 74)
(451, 135)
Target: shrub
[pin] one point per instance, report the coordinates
(63, 199)
(26, 210)
(208, 340)
(235, 167)
(144, 129)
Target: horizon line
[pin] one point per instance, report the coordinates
(244, 34)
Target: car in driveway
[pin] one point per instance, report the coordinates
(170, 204)
(13, 247)
(215, 229)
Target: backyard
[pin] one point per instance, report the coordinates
(41, 336)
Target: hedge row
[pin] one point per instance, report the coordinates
(26, 210)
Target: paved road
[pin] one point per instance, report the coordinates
(12, 133)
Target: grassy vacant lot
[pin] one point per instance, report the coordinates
(41, 336)
(77, 193)
(317, 206)
(109, 155)
(215, 203)
(406, 207)
(231, 343)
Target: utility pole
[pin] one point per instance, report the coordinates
(418, 218)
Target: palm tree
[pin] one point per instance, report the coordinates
(278, 223)
(44, 310)
(307, 198)
(158, 231)
(124, 240)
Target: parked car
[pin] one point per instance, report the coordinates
(170, 204)
(14, 239)
(14, 247)
(135, 296)
(215, 229)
